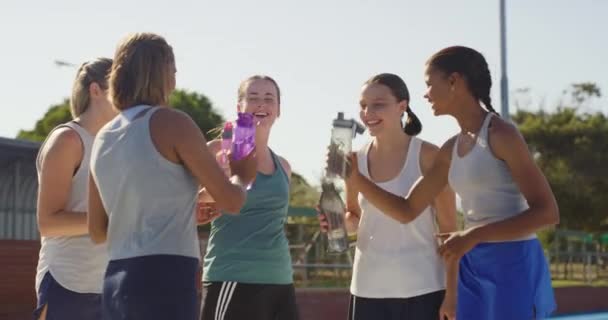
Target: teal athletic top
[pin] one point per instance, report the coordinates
(251, 247)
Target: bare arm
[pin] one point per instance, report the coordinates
(445, 211)
(59, 159)
(190, 147)
(445, 202)
(98, 218)
(508, 144)
(426, 189)
(352, 200)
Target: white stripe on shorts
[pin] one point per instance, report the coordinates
(219, 301)
(230, 291)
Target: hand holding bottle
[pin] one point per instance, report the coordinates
(351, 221)
(245, 169)
(206, 209)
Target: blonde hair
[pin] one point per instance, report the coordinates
(140, 73)
(243, 86)
(94, 71)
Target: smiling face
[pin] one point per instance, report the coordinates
(380, 111)
(261, 98)
(439, 91)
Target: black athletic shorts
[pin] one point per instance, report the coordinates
(240, 301)
(424, 307)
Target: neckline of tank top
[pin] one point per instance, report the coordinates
(277, 166)
(74, 125)
(403, 168)
(130, 113)
(484, 125)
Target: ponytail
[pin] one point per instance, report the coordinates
(487, 102)
(412, 126)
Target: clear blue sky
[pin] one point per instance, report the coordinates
(320, 52)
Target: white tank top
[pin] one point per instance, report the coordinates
(395, 260)
(149, 199)
(76, 262)
(484, 184)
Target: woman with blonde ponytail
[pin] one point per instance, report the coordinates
(70, 266)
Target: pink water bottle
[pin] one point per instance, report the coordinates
(226, 146)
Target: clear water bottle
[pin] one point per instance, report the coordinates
(330, 202)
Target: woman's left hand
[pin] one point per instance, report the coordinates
(456, 244)
(206, 212)
(447, 311)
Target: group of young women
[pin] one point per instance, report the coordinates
(119, 190)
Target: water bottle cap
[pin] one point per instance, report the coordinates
(227, 132)
(244, 119)
(340, 122)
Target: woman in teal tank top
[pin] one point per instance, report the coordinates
(247, 270)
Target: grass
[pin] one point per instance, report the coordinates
(331, 278)
(577, 283)
(345, 283)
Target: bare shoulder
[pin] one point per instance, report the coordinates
(500, 129)
(174, 123)
(65, 143)
(173, 117)
(64, 136)
(504, 137)
(174, 133)
(428, 153)
(428, 149)
(286, 166)
(449, 144)
(446, 150)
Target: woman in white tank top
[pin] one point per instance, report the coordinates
(503, 274)
(70, 266)
(397, 272)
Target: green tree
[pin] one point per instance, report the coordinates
(196, 105)
(571, 148)
(199, 108)
(302, 194)
(57, 114)
(582, 92)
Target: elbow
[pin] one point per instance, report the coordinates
(233, 204)
(45, 228)
(553, 215)
(550, 214)
(232, 210)
(98, 237)
(97, 233)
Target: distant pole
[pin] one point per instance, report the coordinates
(61, 63)
(504, 82)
